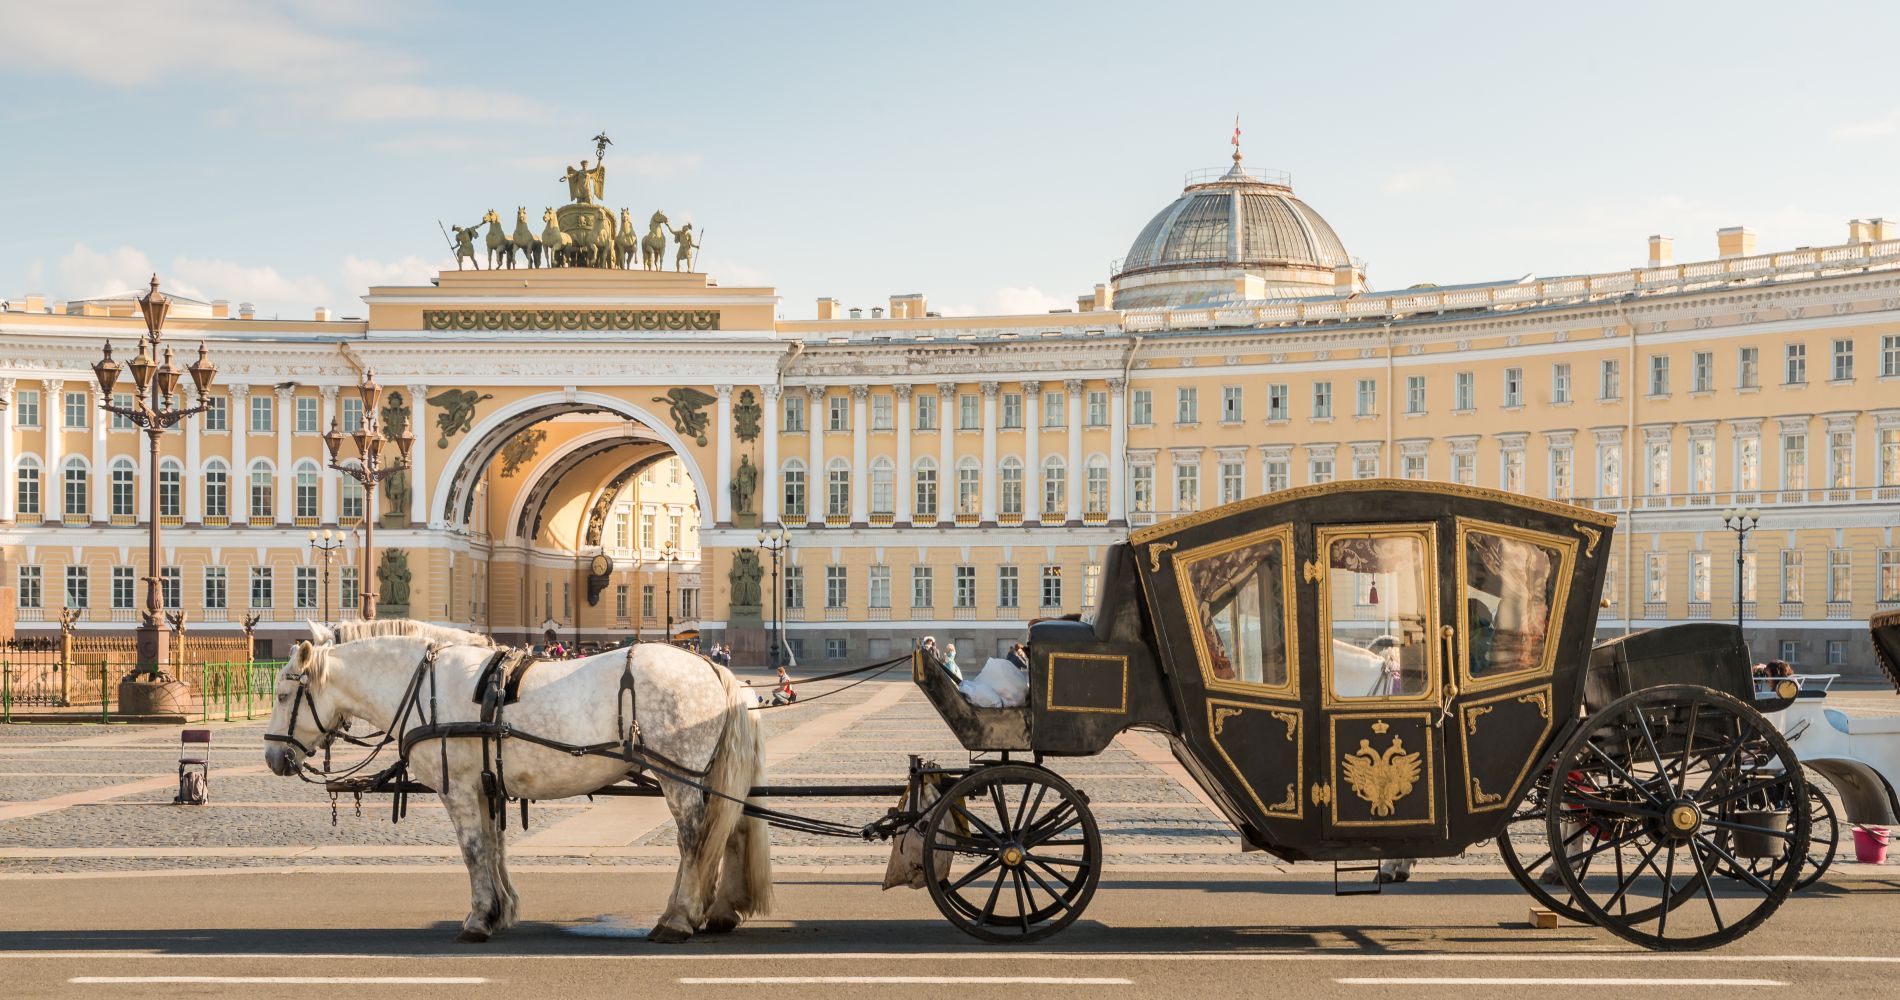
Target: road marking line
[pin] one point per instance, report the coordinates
(286, 980)
(909, 981)
(1562, 958)
(1546, 981)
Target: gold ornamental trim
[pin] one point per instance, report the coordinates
(1191, 601)
(555, 320)
(1476, 800)
(1386, 777)
(1057, 659)
(1565, 573)
(1560, 509)
(1425, 533)
(1218, 712)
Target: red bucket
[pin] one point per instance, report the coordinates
(1870, 845)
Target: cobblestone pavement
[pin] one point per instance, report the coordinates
(90, 798)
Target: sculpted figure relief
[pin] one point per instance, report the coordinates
(687, 407)
(744, 578)
(458, 412)
(682, 260)
(520, 450)
(392, 579)
(745, 482)
(584, 185)
(745, 416)
(465, 246)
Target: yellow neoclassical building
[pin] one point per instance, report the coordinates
(598, 450)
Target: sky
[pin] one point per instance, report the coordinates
(994, 156)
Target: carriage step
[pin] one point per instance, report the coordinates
(1375, 889)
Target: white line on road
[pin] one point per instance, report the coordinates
(910, 981)
(1570, 958)
(286, 980)
(1547, 981)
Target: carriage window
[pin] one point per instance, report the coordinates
(1378, 597)
(1510, 591)
(1237, 591)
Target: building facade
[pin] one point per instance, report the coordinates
(958, 476)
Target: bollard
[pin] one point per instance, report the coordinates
(6, 692)
(105, 694)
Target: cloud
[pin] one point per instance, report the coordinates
(361, 273)
(226, 279)
(1430, 177)
(388, 102)
(1872, 128)
(660, 165)
(1011, 302)
(86, 273)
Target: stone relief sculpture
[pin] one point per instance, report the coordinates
(744, 578)
(395, 415)
(520, 450)
(688, 407)
(458, 412)
(392, 580)
(745, 417)
(745, 482)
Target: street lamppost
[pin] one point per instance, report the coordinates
(669, 556)
(368, 469)
(775, 541)
(153, 412)
(326, 543)
(1740, 520)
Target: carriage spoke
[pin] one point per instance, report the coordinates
(1047, 829)
(1668, 893)
(996, 890)
(1708, 887)
(1069, 862)
(1649, 740)
(1620, 773)
(1003, 824)
(969, 817)
(988, 865)
(1728, 758)
(1746, 828)
(1068, 884)
(1688, 749)
(1620, 808)
(1058, 897)
(1627, 880)
(1740, 869)
(1745, 791)
(1022, 904)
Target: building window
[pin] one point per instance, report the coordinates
(1007, 587)
(1840, 459)
(171, 587)
(1659, 375)
(1462, 396)
(1322, 401)
(1656, 463)
(1840, 576)
(922, 587)
(125, 588)
(839, 413)
(26, 410)
(1609, 469)
(623, 529)
(76, 410)
(78, 590)
(1277, 474)
(1366, 397)
(263, 489)
(28, 581)
(1055, 487)
(1702, 466)
(1230, 408)
(1704, 371)
(1141, 407)
(1562, 481)
(1141, 486)
(673, 523)
(1748, 463)
(1187, 487)
(1843, 360)
(1513, 471)
(926, 489)
(1748, 577)
(1278, 404)
(1748, 368)
(1656, 578)
(1187, 405)
(1010, 482)
(1415, 394)
(170, 485)
(838, 489)
(1412, 465)
(125, 401)
(880, 587)
(1232, 481)
(1837, 653)
(1098, 409)
(352, 413)
(1791, 589)
(966, 587)
(883, 486)
(1790, 651)
(926, 412)
(305, 581)
(306, 492)
(646, 599)
(620, 600)
(1095, 500)
(260, 587)
(124, 489)
(1055, 409)
(1092, 585)
(218, 492)
(1051, 587)
(794, 495)
(1610, 379)
(1513, 387)
(1890, 457)
(837, 586)
(794, 415)
(261, 414)
(1699, 571)
(1889, 575)
(1796, 368)
(1319, 469)
(1464, 468)
(794, 589)
(969, 487)
(881, 412)
(1794, 461)
(217, 588)
(28, 482)
(306, 415)
(77, 483)
(1012, 411)
(1890, 356)
(834, 649)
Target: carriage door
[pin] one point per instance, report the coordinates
(1381, 658)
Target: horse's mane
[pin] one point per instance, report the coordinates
(404, 627)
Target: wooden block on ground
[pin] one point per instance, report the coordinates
(1542, 919)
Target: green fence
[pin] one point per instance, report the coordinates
(233, 691)
(34, 682)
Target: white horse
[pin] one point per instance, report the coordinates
(685, 707)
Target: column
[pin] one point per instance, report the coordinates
(722, 457)
(860, 457)
(1032, 453)
(769, 487)
(100, 420)
(1074, 387)
(903, 482)
(9, 473)
(419, 457)
(990, 474)
(815, 495)
(53, 478)
(239, 485)
(1117, 451)
(190, 486)
(285, 426)
(330, 481)
(946, 451)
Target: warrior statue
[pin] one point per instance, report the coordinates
(585, 185)
(745, 482)
(465, 246)
(682, 260)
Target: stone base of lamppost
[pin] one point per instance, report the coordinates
(751, 643)
(144, 694)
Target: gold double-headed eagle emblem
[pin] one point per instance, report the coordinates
(1381, 778)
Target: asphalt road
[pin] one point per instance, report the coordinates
(835, 936)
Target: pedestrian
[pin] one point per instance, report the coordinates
(783, 694)
(950, 661)
(1019, 655)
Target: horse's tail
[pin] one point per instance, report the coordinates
(738, 763)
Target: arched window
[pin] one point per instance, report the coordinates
(306, 510)
(263, 490)
(1096, 497)
(170, 479)
(883, 486)
(969, 487)
(77, 481)
(1011, 481)
(794, 476)
(838, 489)
(926, 490)
(1055, 487)
(125, 504)
(28, 481)
(217, 492)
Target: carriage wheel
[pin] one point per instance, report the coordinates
(1013, 853)
(1673, 782)
(1824, 839)
(1527, 827)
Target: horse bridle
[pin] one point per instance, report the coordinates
(297, 701)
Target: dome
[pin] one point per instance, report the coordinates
(1239, 234)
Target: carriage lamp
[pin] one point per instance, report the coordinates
(106, 371)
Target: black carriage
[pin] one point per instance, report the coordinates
(1382, 669)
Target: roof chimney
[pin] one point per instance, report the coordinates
(323, 314)
(1858, 231)
(247, 311)
(877, 312)
(1104, 296)
(909, 306)
(1662, 251)
(1085, 303)
(829, 309)
(1735, 241)
(35, 303)
(857, 313)
(1348, 279)
(220, 309)
(1882, 229)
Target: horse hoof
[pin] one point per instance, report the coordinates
(469, 936)
(668, 935)
(722, 925)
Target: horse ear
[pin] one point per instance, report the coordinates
(322, 634)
